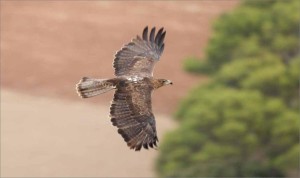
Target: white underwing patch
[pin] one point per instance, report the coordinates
(135, 78)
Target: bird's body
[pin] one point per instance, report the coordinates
(131, 108)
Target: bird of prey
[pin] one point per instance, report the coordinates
(131, 110)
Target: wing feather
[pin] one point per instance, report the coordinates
(152, 33)
(161, 40)
(139, 56)
(145, 33)
(162, 47)
(158, 36)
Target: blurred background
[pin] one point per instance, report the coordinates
(232, 111)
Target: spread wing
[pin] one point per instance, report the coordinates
(131, 112)
(139, 56)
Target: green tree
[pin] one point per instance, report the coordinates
(245, 122)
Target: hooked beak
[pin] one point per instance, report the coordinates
(169, 82)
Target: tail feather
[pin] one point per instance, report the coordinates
(88, 87)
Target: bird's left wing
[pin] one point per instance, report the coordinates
(138, 57)
(131, 112)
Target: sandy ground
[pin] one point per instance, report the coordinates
(50, 137)
(47, 46)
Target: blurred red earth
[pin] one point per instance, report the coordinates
(48, 46)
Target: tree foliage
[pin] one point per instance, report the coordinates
(245, 122)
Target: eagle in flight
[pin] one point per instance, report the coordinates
(131, 110)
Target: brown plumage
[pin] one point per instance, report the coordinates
(131, 108)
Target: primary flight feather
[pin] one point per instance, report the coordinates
(131, 108)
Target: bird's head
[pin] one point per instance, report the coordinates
(167, 82)
(162, 82)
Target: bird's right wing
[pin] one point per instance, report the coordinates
(138, 57)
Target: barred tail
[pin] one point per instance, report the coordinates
(88, 87)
